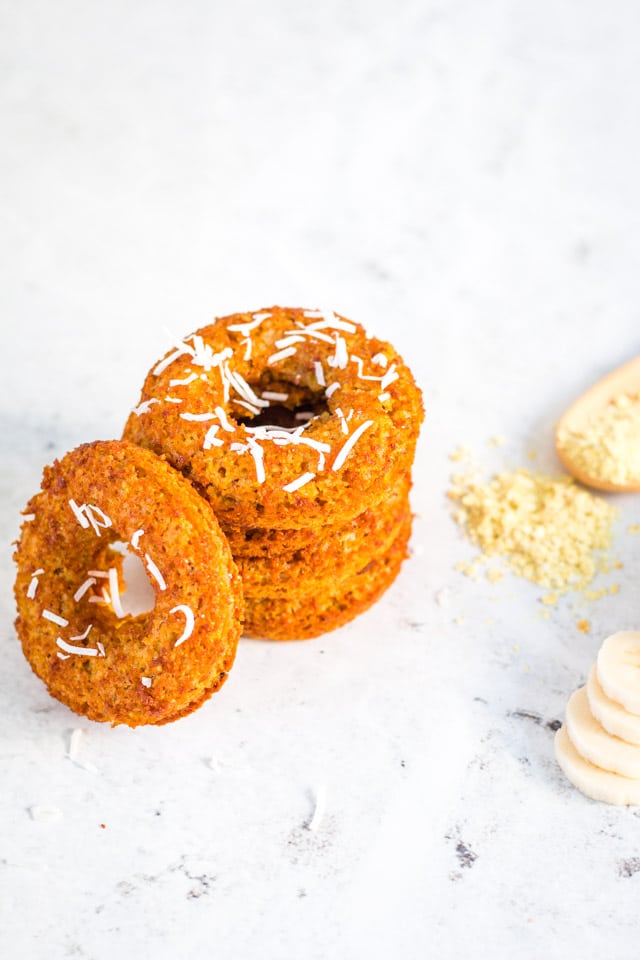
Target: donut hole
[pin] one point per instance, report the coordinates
(300, 406)
(116, 564)
(138, 596)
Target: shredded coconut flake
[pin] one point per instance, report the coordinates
(155, 573)
(299, 482)
(329, 392)
(380, 360)
(210, 439)
(198, 417)
(319, 812)
(146, 681)
(42, 813)
(389, 377)
(54, 618)
(144, 407)
(383, 397)
(189, 622)
(319, 369)
(185, 381)
(246, 328)
(135, 539)
(224, 422)
(350, 443)
(115, 593)
(33, 584)
(80, 592)
(80, 651)
(272, 395)
(281, 355)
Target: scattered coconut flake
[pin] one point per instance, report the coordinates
(43, 813)
(210, 439)
(54, 618)
(329, 392)
(189, 622)
(273, 395)
(90, 515)
(310, 335)
(281, 355)
(169, 359)
(144, 407)
(247, 406)
(246, 328)
(443, 597)
(80, 592)
(343, 419)
(33, 584)
(285, 342)
(173, 399)
(380, 360)
(224, 422)
(135, 539)
(340, 358)
(184, 382)
(299, 482)
(248, 345)
(360, 364)
(97, 651)
(198, 417)
(320, 809)
(350, 443)
(304, 415)
(115, 593)
(28, 517)
(98, 573)
(245, 390)
(146, 681)
(319, 373)
(155, 573)
(390, 377)
(331, 323)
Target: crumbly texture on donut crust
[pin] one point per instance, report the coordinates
(330, 560)
(269, 542)
(304, 617)
(147, 669)
(212, 406)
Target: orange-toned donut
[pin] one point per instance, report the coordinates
(214, 408)
(100, 661)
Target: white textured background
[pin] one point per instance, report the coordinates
(461, 177)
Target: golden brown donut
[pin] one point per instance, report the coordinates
(147, 669)
(213, 407)
(304, 617)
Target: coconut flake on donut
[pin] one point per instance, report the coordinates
(33, 583)
(350, 443)
(155, 573)
(89, 515)
(190, 621)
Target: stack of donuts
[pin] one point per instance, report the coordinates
(262, 484)
(300, 431)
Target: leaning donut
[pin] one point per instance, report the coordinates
(282, 418)
(103, 663)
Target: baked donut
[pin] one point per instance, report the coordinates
(301, 617)
(102, 662)
(330, 558)
(285, 418)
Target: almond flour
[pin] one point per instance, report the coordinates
(607, 445)
(548, 530)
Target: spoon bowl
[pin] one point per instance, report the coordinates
(623, 380)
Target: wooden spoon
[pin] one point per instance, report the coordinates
(625, 379)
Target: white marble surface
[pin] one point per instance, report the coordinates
(462, 177)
